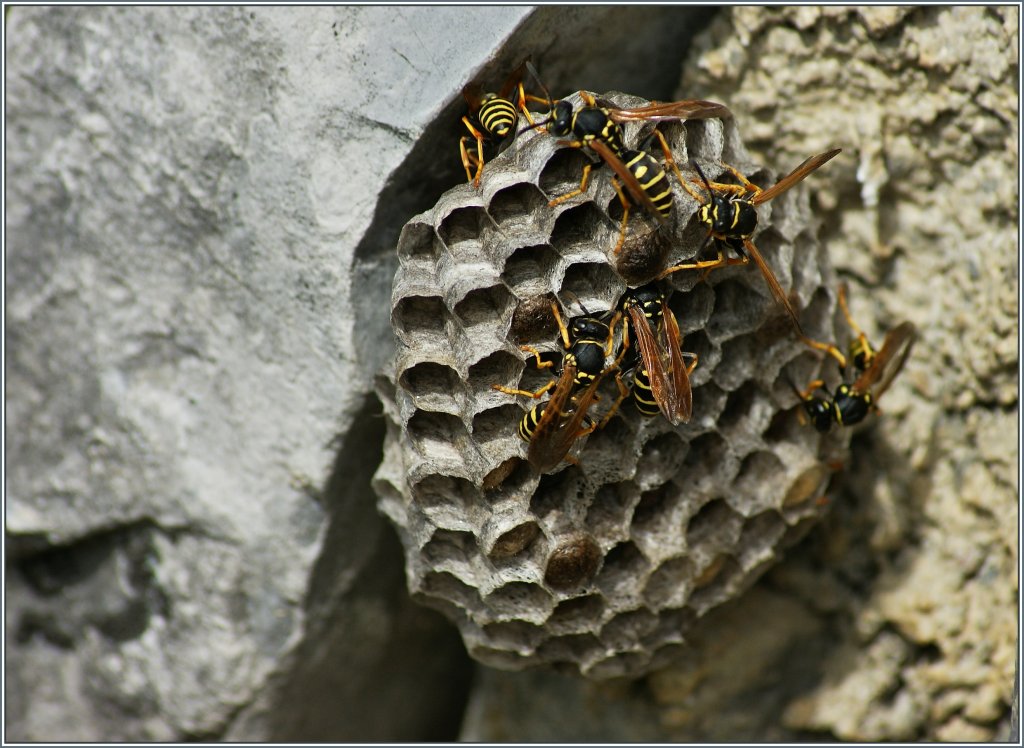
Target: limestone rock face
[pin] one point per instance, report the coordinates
(599, 566)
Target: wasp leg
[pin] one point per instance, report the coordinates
(625, 215)
(828, 348)
(562, 329)
(750, 186)
(623, 394)
(578, 191)
(525, 393)
(479, 152)
(470, 162)
(541, 364)
(706, 266)
(817, 384)
(691, 367)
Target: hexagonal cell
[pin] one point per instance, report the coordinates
(609, 513)
(785, 426)
(669, 584)
(510, 476)
(693, 308)
(623, 566)
(519, 204)
(496, 423)
(533, 320)
(415, 316)
(709, 461)
(554, 491)
(485, 306)
(738, 364)
(617, 665)
(708, 402)
(738, 309)
(760, 535)
(608, 454)
(644, 254)
(520, 600)
(447, 587)
(628, 628)
(418, 247)
(449, 546)
(807, 485)
(441, 432)
(715, 525)
(563, 171)
(654, 507)
(758, 483)
(743, 411)
(433, 385)
(712, 585)
(443, 490)
(593, 283)
(582, 227)
(572, 563)
(464, 225)
(577, 614)
(495, 368)
(530, 268)
(661, 458)
(518, 636)
(498, 658)
(570, 648)
(514, 541)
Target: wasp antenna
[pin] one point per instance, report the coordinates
(534, 126)
(536, 77)
(704, 179)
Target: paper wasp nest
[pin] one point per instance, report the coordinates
(598, 567)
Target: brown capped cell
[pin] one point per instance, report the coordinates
(573, 563)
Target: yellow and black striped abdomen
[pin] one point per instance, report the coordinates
(530, 420)
(497, 116)
(643, 396)
(652, 178)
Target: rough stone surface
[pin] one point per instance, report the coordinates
(613, 558)
(186, 188)
(897, 619)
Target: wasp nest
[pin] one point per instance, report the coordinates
(600, 566)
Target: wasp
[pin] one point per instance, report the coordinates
(599, 129)
(661, 378)
(876, 369)
(496, 116)
(552, 427)
(730, 213)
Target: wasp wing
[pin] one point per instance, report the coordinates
(795, 177)
(651, 359)
(679, 400)
(626, 176)
(672, 110)
(773, 284)
(888, 361)
(473, 93)
(556, 431)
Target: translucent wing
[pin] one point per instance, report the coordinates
(672, 110)
(672, 395)
(773, 283)
(558, 430)
(794, 177)
(678, 406)
(888, 361)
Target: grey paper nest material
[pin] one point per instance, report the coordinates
(598, 567)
